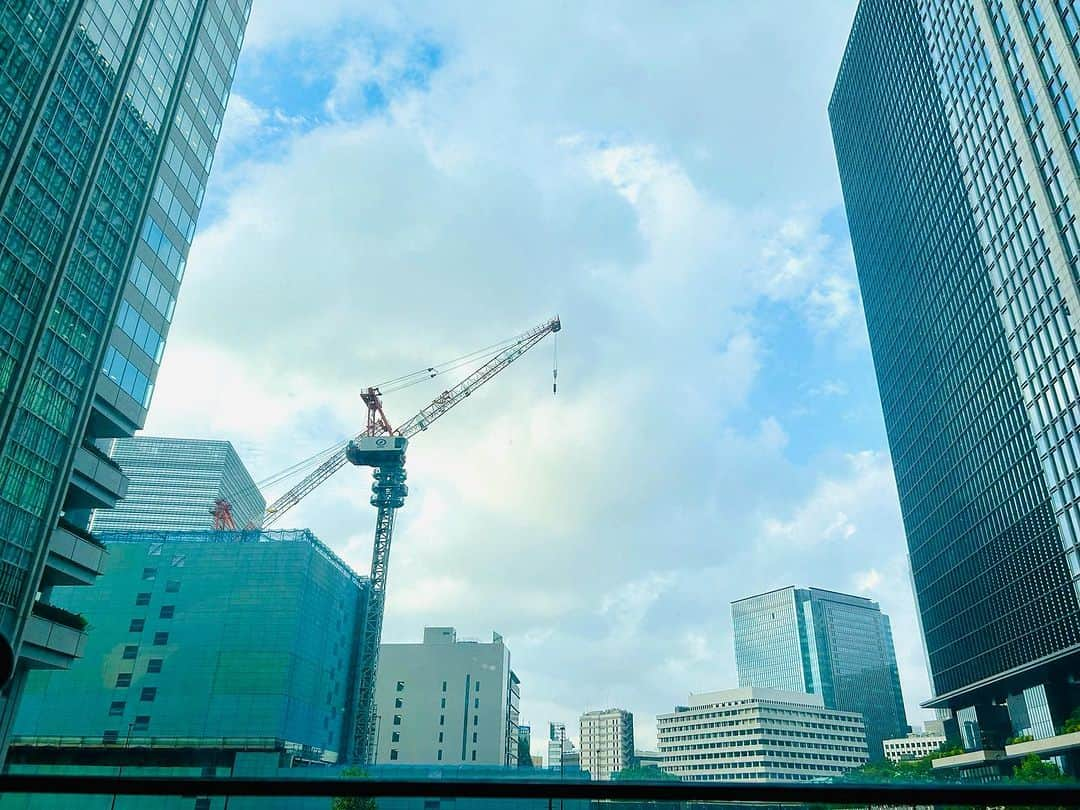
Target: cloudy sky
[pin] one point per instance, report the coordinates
(402, 182)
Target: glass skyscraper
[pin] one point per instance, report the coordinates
(173, 483)
(823, 643)
(109, 115)
(956, 132)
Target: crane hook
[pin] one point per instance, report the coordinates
(555, 366)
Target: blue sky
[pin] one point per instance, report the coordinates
(400, 183)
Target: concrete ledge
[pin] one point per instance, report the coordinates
(1045, 747)
(968, 759)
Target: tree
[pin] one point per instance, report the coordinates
(649, 773)
(1072, 724)
(353, 802)
(1033, 770)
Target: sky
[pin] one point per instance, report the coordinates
(399, 183)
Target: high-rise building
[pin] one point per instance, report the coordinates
(524, 751)
(759, 735)
(173, 484)
(561, 752)
(955, 127)
(204, 636)
(823, 643)
(108, 123)
(607, 742)
(446, 700)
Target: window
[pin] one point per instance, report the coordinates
(142, 599)
(116, 708)
(150, 692)
(393, 753)
(110, 736)
(475, 720)
(440, 753)
(474, 755)
(136, 625)
(123, 679)
(202, 803)
(149, 573)
(142, 723)
(401, 686)
(172, 586)
(476, 703)
(442, 703)
(440, 736)
(442, 719)
(478, 686)
(154, 665)
(474, 738)
(167, 611)
(130, 651)
(444, 686)
(161, 639)
(395, 736)
(398, 703)
(397, 719)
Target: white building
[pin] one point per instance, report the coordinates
(446, 700)
(913, 746)
(561, 752)
(607, 742)
(759, 735)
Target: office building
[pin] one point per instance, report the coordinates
(204, 636)
(173, 484)
(954, 127)
(759, 735)
(824, 643)
(607, 742)
(524, 750)
(446, 700)
(110, 113)
(561, 752)
(913, 746)
(647, 759)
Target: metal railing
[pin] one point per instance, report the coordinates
(836, 794)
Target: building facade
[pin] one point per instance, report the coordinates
(759, 735)
(209, 635)
(913, 746)
(955, 133)
(173, 484)
(607, 742)
(825, 643)
(108, 125)
(561, 751)
(445, 700)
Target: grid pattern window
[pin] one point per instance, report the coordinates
(173, 483)
(759, 735)
(955, 249)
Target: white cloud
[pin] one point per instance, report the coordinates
(542, 169)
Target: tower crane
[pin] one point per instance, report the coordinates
(382, 447)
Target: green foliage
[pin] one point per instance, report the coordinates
(1033, 770)
(649, 773)
(353, 802)
(1021, 738)
(950, 751)
(1072, 724)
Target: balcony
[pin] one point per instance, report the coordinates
(76, 557)
(97, 482)
(1048, 747)
(53, 638)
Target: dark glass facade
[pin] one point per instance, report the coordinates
(109, 112)
(953, 159)
(823, 643)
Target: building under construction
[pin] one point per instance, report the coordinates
(208, 635)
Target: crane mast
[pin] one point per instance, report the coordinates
(383, 448)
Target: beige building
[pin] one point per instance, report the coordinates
(446, 700)
(607, 742)
(913, 746)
